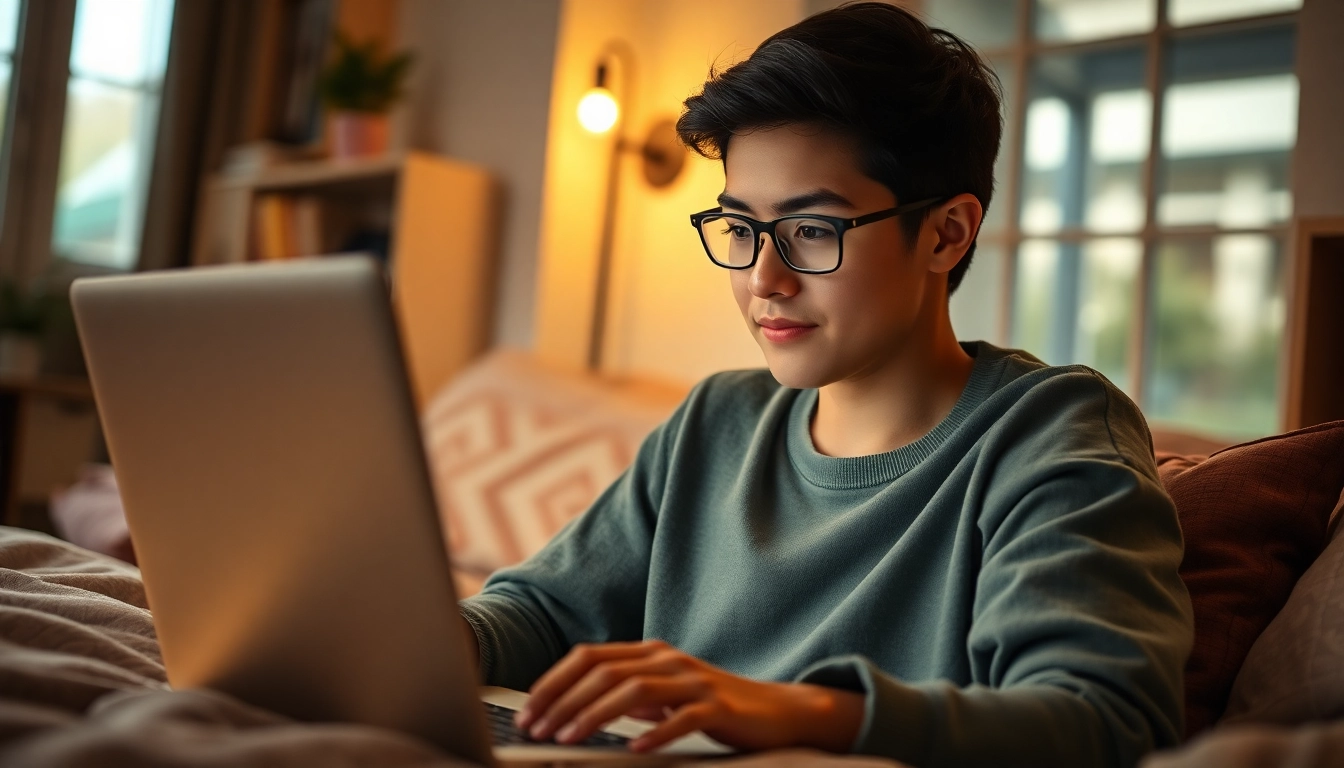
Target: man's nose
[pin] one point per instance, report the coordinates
(771, 276)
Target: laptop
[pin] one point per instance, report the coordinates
(269, 458)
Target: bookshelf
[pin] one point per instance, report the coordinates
(435, 218)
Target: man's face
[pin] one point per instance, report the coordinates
(837, 326)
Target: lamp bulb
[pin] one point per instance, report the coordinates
(598, 110)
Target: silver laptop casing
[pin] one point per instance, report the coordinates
(269, 459)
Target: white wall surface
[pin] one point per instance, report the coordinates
(480, 92)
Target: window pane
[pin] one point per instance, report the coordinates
(1034, 307)
(975, 305)
(6, 71)
(1218, 329)
(982, 23)
(9, 26)
(1088, 127)
(121, 40)
(1091, 19)
(104, 169)
(996, 218)
(1074, 303)
(1186, 12)
(111, 124)
(1229, 126)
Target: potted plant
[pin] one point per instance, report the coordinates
(359, 86)
(24, 316)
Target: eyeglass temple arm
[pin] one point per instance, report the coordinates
(897, 211)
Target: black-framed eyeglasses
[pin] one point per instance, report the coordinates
(809, 242)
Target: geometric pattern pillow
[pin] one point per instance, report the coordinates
(1254, 517)
(517, 449)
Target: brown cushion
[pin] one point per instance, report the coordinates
(1254, 517)
(1258, 746)
(1295, 671)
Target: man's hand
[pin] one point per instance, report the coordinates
(595, 684)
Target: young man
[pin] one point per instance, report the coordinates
(891, 542)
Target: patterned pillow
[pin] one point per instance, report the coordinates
(1254, 518)
(517, 449)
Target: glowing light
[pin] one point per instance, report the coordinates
(598, 110)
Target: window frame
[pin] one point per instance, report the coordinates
(30, 157)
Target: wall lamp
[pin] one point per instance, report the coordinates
(600, 111)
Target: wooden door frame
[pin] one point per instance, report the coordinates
(1306, 231)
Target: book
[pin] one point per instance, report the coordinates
(307, 226)
(273, 226)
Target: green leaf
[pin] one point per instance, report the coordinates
(360, 78)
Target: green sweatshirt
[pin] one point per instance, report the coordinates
(1004, 590)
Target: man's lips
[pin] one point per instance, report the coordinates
(783, 329)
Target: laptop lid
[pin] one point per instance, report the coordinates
(267, 449)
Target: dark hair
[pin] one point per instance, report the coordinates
(921, 104)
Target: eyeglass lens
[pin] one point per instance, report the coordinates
(806, 244)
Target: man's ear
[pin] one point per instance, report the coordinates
(955, 224)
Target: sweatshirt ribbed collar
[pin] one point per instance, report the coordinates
(868, 471)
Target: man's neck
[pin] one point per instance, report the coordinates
(898, 402)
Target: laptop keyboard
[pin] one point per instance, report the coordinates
(505, 732)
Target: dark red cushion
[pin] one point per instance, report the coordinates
(1254, 518)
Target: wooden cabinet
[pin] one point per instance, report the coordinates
(440, 216)
(48, 428)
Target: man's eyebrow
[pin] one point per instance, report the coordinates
(795, 204)
(728, 201)
(813, 199)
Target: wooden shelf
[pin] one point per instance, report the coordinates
(315, 174)
(441, 266)
(73, 387)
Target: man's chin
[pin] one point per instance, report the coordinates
(796, 374)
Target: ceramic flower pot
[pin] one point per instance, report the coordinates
(358, 134)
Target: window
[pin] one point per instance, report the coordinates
(80, 85)
(1140, 217)
(9, 33)
(117, 61)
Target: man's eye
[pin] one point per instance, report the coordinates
(811, 232)
(738, 231)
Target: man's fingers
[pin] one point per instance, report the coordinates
(690, 718)
(635, 692)
(599, 680)
(574, 666)
(655, 713)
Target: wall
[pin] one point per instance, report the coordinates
(480, 92)
(671, 315)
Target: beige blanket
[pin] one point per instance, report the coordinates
(82, 684)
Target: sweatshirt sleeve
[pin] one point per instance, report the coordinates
(587, 585)
(1080, 626)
